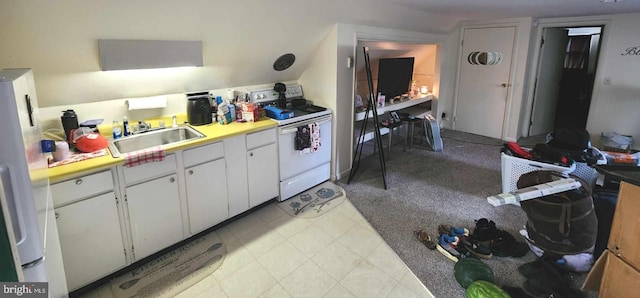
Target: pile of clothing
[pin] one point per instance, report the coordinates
(563, 148)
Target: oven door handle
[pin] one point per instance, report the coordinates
(291, 128)
(287, 131)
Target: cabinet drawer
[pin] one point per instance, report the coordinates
(81, 187)
(203, 154)
(261, 138)
(150, 170)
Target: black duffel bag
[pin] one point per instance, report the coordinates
(562, 223)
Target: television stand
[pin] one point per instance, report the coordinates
(397, 106)
(415, 107)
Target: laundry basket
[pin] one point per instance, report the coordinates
(586, 173)
(513, 167)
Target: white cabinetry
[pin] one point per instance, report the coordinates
(206, 186)
(236, 159)
(262, 166)
(154, 215)
(153, 204)
(113, 218)
(89, 228)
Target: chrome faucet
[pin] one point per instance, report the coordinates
(174, 120)
(143, 126)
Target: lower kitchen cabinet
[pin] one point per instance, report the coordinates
(154, 215)
(207, 201)
(160, 203)
(263, 179)
(90, 239)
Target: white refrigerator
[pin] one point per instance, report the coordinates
(28, 232)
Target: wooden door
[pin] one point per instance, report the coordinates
(550, 66)
(484, 80)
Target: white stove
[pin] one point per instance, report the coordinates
(300, 169)
(294, 95)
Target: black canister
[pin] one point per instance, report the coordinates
(69, 122)
(199, 108)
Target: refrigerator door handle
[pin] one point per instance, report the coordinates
(29, 108)
(6, 195)
(33, 263)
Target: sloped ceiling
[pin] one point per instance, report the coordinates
(241, 38)
(491, 9)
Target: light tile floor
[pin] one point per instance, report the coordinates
(338, 254)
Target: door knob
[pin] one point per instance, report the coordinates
(505, 85)
(190, 172)
(172, 179)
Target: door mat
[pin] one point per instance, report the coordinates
(173, 272)
(315, 201)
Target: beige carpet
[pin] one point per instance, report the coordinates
(173, 272)
(315, 201)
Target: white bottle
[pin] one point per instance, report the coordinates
(174, 121)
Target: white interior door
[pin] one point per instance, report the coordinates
(550, 65)
(483, 86)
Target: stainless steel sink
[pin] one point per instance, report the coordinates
(160, 137)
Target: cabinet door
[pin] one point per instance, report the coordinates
(90, 239)
(262, 164)
(154, 215)
(206, 195)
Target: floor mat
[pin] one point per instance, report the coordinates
(315, 201)
(173, 272)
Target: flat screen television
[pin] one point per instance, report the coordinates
(394, 76)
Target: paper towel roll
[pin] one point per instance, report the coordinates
(147, 103)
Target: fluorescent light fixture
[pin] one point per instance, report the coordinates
(122, 54)
(610, 1)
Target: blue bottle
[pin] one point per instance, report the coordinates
(116, 130)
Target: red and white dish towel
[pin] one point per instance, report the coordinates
(314, 139)
(139, 157)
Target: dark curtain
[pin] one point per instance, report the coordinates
(577, 56)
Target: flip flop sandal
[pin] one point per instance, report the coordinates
(424, 237)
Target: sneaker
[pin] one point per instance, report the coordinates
(476, 248)
(452, 231)
(505, 245)
(452, 245)
(485, 230)
(499, 242)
